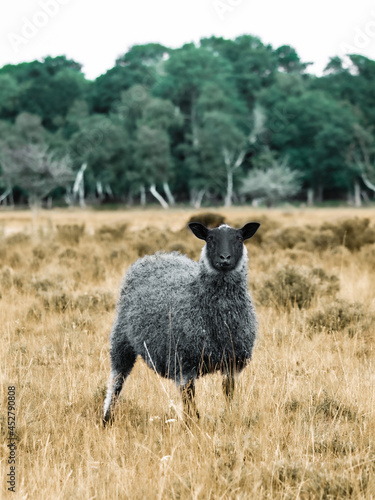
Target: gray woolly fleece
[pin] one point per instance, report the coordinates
(187, 317)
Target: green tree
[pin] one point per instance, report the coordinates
(103, 145)
(253, 64)
(353, 83)
(48, 88)
(131, 107)
(51, 96)
(9, 96)
(289, 61)
(222, 146)
(187, 71)
(152, 161)
(139, 66)
(312, 130)
(361, 157)
(149, 54)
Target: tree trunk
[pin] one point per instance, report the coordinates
(231, 165)
(367, 182)
(196, 197)
(228, 197)
(357, 194)
(169, 194)
(35, 203)
(78, 190)
(365, 197)
(81, 194)
(142, 192)
(99, 190)
(3, 197)
(108, 190)
(310, 197)
(158, 196)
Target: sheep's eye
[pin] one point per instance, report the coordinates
(209, 238)
(240, 239)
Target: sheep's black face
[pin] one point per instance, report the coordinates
(224, 248)
(224, 245)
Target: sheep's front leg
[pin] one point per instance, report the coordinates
(188, 398)
(228, 387)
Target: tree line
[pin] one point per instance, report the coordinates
(221, 121)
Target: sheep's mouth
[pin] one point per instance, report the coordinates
(225, 266)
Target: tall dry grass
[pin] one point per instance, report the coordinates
(302, 421)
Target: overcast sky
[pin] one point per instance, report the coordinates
(95, 33)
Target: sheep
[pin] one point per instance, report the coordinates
(186, 318)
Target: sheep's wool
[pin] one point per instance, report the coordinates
(184, 318)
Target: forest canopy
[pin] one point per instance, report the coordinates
(200, 123)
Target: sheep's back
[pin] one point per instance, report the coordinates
(153, 296)
(161, 270)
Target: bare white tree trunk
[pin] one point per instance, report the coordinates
(99, 190)
(367, 182)
(167, 191)
(81, 186)
(5, 194)
(357, 194)
(196, 197)
(229, 194)
(365, 164)
(158, 196)
(78, 190)
(231, 165)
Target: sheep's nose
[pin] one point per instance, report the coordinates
(225, 258)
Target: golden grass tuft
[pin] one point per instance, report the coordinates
(302, 421)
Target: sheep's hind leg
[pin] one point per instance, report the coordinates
(114, 388)
(118, 377)
(188, 398)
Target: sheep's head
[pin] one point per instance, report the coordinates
(224, 245)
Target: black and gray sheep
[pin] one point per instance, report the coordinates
(186, 318)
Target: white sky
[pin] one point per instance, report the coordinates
(95, 33)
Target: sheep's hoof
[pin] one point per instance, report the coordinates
(107, 419)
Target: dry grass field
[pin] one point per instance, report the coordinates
(302, 421)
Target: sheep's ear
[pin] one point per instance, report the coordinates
(199, 230)
(249, 230)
